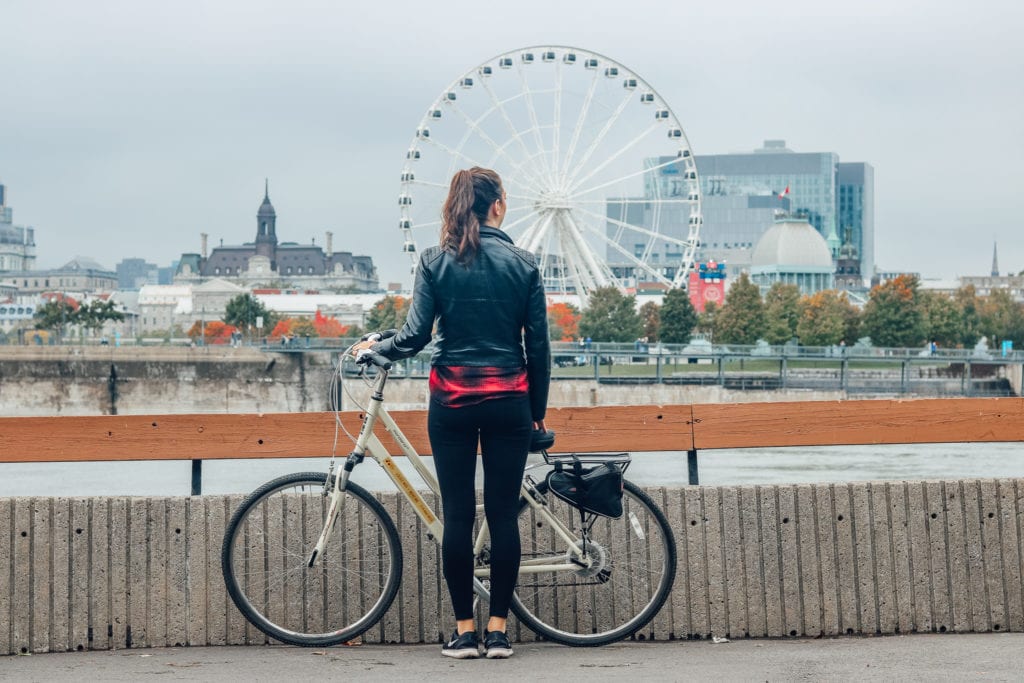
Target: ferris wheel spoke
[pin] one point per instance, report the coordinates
(428, 183)
(632, 174)
(453, 152)
(499, 149)
(556, 131)
(632, 200)
(592, 147)
(619, 152)
(535, 123)
(637, 261)
(533, 235)
(578, 128)
(602, 274)
(500, 107)
(636, 228)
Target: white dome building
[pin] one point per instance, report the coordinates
(793, 252)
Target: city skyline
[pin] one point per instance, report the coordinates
(127, 131)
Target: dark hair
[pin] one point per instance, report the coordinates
(470, 197)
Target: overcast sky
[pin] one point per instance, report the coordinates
(127, 128)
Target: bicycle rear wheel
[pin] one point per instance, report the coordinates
(635, 565)
(266, 551)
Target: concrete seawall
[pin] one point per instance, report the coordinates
(49, 381)
(757, 561)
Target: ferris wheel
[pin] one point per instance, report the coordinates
(600, 177)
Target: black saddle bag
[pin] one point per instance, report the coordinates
(597, 489)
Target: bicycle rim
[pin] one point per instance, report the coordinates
(266, 551)
(631, 580)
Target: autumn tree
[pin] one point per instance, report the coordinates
(304, 327)
(822, 318)
(563, 322)
(678, 317)
(742, 318)
(892, 316)
(650, 315)
(782, 312)
(212, 332)
(611, 316)
(388, 313)
(328, 326)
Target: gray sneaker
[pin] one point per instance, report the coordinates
(496, 645)
(466, 646)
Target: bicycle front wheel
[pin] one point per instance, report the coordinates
(266, 552)
(633, 567)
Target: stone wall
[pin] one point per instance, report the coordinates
(50, 381)
(754, 561)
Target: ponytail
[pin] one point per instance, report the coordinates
(470, 197)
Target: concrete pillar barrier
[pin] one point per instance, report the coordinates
(859, 558)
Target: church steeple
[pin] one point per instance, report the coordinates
(266, 225)
(995, 260)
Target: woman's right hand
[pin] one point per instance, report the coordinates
(538, 425)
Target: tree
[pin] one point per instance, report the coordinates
(969, 307)
(563, 322)
(742, 318)
(782, 312)
(822, 318)
(892, 316)
(1002, 318)
(212, 332)
(942, 319)
(650, 315)
(94, 315)
(707, 319)
(388, 313)
(304, 327)
(611, 316)
(243, 311)
(57, 313)
(678, 317)
(328, 326)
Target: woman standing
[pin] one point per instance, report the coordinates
(489, 379)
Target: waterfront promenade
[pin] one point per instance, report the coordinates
(990, 657)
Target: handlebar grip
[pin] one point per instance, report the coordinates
(379, 335)
(366, 356)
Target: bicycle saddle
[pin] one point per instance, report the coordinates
(541, 440)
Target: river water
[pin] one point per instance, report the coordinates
(720, 467)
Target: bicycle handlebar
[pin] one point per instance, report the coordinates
(366, 356)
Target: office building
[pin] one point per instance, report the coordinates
(132, 273)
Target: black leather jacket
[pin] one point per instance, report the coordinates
(491, 312)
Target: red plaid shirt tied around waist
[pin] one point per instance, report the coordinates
(457, 386)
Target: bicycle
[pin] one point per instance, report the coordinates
(313, 559)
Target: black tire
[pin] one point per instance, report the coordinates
(585, 610)
(266, 550)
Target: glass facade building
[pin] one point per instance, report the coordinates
(740, 200)
(856, 211)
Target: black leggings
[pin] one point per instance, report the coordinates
(502, 426)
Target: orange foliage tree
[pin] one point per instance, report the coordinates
(213, 332)
(328, 326)
(563, 322)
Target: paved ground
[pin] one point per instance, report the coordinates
(916, 657)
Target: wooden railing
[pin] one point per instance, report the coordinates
(690, 428)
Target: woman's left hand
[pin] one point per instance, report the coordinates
(362, 345)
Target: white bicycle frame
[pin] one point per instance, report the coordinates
(368, 444)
